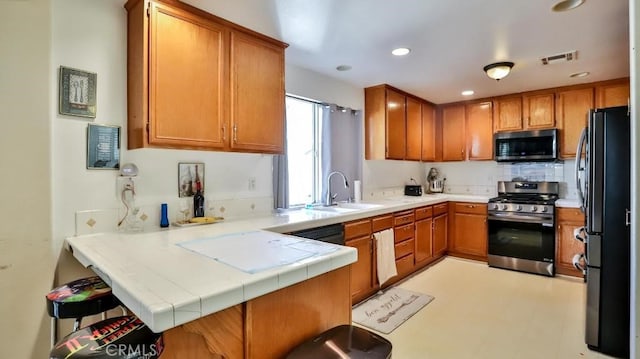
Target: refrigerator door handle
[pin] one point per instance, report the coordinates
(581, 142)
(627, 217)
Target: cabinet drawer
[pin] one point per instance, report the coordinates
(357, 229)
(403, 248)
(440, 208)
(423, 212)
(403, 233)
(569, 215)
(472, 208)
(381, 223)
(402, 218)
(404, 265)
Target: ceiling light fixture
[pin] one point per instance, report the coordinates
(467, 92)
(401, 51)
(567, 5)
(498, 70)
(580, 74)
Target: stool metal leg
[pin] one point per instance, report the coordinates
(76, 324)
(54, 331)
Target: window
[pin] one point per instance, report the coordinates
(303, 151)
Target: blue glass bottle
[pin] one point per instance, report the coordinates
(164, 218)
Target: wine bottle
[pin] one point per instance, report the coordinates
(198, 198)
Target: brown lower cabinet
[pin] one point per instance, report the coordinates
(420, 237)
(468, 230)
(568, 219)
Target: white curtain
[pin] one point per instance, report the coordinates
(341, 149)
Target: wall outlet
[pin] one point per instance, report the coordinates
(252, 183)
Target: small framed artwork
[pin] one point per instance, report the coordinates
(103, 147)
(77, 92)
(188, 175)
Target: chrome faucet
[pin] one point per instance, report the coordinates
(330, 196)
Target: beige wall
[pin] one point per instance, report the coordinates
(26, 260)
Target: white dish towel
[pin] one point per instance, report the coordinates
(386, 255)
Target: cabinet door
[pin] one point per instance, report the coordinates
(414, 129)
(257, 95)
(567, 246)
(538, 111)
(470, 234)
(572, 110)
(611, 95)
(479, 129)
(428, 132)
(453, 135)
(186, 80)
(423, 248)
(507, 114)
(396, 131)
(361, 270)
(440, 224)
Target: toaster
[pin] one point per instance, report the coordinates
(413, 190)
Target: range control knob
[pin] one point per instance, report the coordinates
(534, 209)
(518, 208)
(503, 207)
(544, 209)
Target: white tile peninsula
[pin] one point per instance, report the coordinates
(167, 285)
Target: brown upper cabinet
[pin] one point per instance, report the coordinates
(572, 110)
(538, 110)
(394, 124)
(507, 113)
(175, 99)
(414, 130)
(613, 93)
(429, 132)
(479, 130)
(453, 133)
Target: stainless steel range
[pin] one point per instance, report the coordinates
(522, 227)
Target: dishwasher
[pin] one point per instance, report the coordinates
(333, 233)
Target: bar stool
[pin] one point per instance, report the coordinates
(125, 337)
(78, 299)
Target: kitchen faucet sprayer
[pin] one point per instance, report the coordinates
(330, 196)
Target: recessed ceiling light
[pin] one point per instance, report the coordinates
(567, 5)
(401, 51)
(580, 74)
(467, 92)
(343, 68)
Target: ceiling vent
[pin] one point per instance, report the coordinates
(565, 57)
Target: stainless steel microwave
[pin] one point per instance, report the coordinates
(523, 146)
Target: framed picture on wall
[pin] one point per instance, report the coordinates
(77, 92)
(188, 175)
(103, 147)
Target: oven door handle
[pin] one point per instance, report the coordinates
(545, 221)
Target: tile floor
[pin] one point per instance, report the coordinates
(481, 312)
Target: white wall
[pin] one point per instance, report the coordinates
(26, 260)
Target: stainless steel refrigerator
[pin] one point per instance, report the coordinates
(605, 195)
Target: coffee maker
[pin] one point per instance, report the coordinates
(434, 184)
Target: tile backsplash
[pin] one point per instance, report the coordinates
(481, 177)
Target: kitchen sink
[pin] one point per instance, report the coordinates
(334, 209)
(359, 205)
(346, 207)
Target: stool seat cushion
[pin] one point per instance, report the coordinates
(125, 337)
(82, 297)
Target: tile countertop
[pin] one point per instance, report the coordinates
(166, 285)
